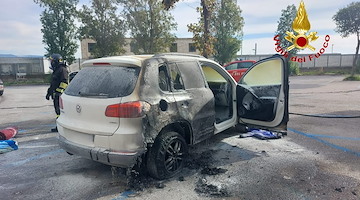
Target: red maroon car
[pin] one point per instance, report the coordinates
(238, 68)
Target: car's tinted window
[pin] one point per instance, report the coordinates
(242, 65)
(191, 74)
(176, 79)
(163, 79)
(106, 81)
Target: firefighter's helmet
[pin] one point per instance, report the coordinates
(56, 60)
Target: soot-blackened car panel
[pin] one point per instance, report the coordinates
(174, 99)
(196, 102)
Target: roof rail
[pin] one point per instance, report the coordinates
(179, 54)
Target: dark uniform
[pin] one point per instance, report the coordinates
(59, 81)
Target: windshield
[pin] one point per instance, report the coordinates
(104, 82)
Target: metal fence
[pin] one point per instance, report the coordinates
(21, 66)
(325, 60)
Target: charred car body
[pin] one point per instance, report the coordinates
(121, 110)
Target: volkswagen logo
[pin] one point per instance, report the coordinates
(78, 108)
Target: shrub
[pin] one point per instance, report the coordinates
(294, 68)
(352, 78)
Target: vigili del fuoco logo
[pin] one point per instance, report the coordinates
(301, 40)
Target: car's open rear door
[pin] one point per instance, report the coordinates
(262, 95)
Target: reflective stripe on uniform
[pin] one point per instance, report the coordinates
(59, 90)
(63, 85)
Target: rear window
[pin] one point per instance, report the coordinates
(104, 82)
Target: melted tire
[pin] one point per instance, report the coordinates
(166, 157)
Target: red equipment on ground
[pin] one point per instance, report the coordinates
(7, 133)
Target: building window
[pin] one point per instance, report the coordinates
(173, 47)
(192, 47)
(91, 47)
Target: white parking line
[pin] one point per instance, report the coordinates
(35, 137)
(37, 146)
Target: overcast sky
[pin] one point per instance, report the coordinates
(20, 25)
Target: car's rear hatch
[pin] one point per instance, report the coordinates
(94, 88)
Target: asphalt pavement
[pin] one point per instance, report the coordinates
(319, 159)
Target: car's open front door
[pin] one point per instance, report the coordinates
(262, 95)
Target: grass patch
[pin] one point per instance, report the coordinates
(352, 78)
(311, 73)
(319, 72)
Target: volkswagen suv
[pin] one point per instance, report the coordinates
(126, 110)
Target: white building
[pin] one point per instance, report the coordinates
(181, 45)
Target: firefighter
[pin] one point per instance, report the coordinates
(59, 81)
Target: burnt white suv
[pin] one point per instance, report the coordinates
(148, 108)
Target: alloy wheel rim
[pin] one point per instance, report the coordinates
(174, 156)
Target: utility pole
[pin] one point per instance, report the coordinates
(241, 47)
(255, 48)
(332, 48)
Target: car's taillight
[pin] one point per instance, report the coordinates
(133, 109)
(61, 105)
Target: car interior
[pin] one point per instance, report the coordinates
(222, 90)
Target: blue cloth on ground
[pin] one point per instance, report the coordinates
(8, 145)
(261, 134)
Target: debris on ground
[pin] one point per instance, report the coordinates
(261, 134)
(213, 171)
(198, 161)
(340, 189)
(8, 145)
(202, 187)
(160, 185)
(139, 180)
(136, 178)
(8, 133)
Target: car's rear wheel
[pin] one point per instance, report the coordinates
(167, 155)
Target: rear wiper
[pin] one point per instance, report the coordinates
(88, 94)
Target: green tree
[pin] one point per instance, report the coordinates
(228, 25)
(150, 26)
(285, 24)
(204, 40)
(169, 3)
(58, 28)
(348, 22)
(101, 23)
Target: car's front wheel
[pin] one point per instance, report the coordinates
(167, 155)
